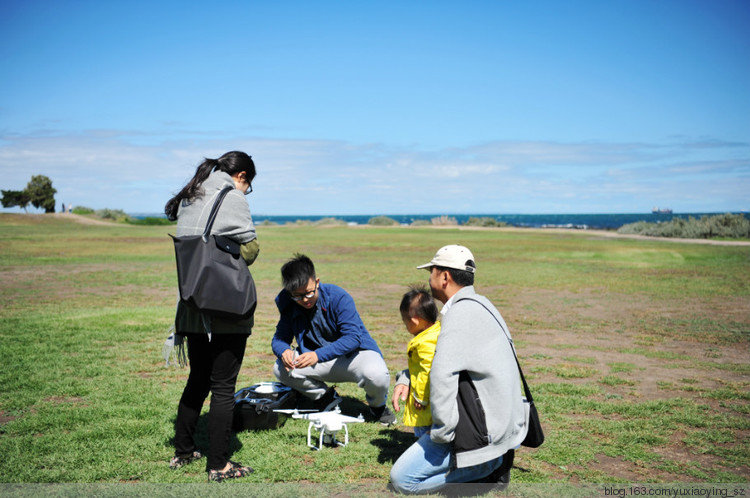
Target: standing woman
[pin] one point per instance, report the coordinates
(214, 362)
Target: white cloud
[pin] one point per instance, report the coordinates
(138, 174)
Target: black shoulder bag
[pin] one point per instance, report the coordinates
(213, 278)
(535, 435)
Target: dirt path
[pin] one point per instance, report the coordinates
(606, 234)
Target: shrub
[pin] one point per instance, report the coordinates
(444, 220)
(734, 226)
(113, 214)
(329, 222)
(485, 222)
(382, 221)
(727, 225)
(420, 223)
(82, 210)
(300, 223)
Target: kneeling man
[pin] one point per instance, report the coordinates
(478, 415)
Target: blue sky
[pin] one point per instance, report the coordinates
(383, 107)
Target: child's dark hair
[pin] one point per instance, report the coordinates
(418, 302)
(297, 272)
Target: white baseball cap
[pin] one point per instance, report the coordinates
(453, 256)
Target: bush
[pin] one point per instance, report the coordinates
(117, 215)
(728, 225)
(637, 228)
(485, 222)
(420, 223)
(732, 226)
(330, 222)
(444, 220)
(382, 221)
(82, 210)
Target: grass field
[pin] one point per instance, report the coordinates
(636, 351)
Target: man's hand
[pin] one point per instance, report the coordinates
(306, 360)
(287, 358)
(400, 391)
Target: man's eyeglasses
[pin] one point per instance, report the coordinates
(249, 189)
(309, 295)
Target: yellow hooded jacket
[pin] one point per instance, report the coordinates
(421, 349)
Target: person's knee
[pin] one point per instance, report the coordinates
(398, 481)
(376, 375)
(197, 388)
(221, 401)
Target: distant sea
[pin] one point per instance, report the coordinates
(579, 221)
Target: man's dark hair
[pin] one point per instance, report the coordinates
(418, 302)
(297, 272)
(460, 277)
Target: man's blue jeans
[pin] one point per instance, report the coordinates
(426, 466)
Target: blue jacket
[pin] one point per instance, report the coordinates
(332, 328)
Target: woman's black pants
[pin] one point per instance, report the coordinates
(214, 366)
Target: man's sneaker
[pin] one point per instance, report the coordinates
(497, 481)
(328, 401)
(383, 415)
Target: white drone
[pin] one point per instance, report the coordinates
(327, 423)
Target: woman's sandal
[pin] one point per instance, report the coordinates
(178, 461)
(237, 470)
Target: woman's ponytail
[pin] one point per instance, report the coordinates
(192, 190)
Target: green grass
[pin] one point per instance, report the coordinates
(636, 351)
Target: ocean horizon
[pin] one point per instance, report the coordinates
(577, 221)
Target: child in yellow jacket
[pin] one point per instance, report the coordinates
(420, 315)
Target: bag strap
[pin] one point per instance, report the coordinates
(215, 211)
(523, 379)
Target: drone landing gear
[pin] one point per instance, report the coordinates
(326, 437)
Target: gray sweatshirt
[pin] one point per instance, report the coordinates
(471, 339)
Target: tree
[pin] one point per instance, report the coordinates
(38, 192)
(41, 194)
(12, 198)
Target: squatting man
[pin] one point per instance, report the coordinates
(332, 343)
